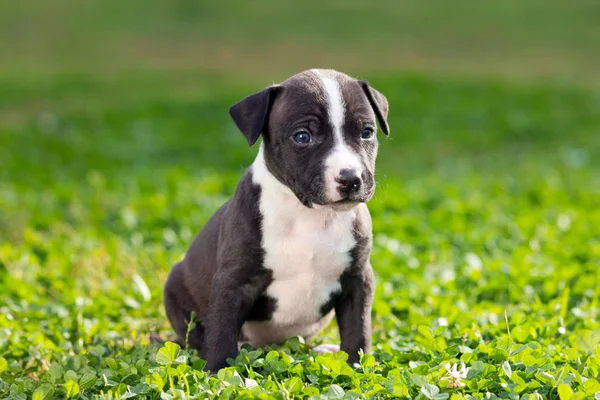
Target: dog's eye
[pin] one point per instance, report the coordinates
(302, 137)
(367, 133)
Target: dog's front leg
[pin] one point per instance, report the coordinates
(353, 311)
(229, 305)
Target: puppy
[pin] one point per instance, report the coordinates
(291, 248)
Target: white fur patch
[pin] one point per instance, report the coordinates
(335, 102)
(307, 249)
(341, 156)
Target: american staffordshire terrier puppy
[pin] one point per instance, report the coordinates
(291, 248)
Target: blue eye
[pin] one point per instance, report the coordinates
(367, 133)
(302, 137)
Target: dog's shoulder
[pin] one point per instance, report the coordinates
(240, 235)
(243, 212)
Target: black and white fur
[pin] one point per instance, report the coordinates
(291, 248)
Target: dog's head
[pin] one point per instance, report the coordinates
(319, 135)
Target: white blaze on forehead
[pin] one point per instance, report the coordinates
(341, 155)
(335, 102)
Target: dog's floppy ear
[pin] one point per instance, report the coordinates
(251, 114)
(379, 104)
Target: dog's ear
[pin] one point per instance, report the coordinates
(251, 114)
(379, 104)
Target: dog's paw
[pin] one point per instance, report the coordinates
(326, 348)
(242, 344)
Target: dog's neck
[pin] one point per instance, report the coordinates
(282, 195)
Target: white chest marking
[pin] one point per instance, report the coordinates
(307, 249)
(341, 155)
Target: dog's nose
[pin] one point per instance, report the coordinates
(349, 181)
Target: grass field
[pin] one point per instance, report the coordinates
(116, 147)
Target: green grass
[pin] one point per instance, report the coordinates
(488, 205)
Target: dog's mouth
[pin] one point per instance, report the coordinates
(355, 198)
(349, 202)
(345, 203)
(337, 205)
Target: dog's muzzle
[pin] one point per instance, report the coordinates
(349, 183)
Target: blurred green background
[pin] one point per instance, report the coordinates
(84, 59)
(116, 146)
(275, 39)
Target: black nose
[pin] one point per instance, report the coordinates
(349, 181)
